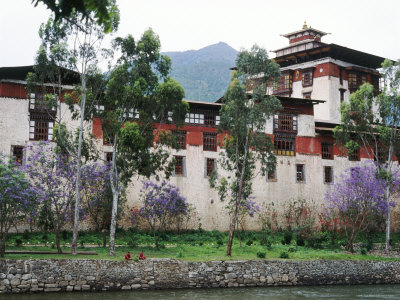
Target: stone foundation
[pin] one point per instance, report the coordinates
(18, 276)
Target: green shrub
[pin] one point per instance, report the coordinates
(161, 246)
(363, 251)
(18, 242)
(220, 242)
(300, 241)
(26, 235)
(292, 249)
(249, 242)
(261, 254)
(265, 241)
(81, 244)
(287, 238)
(284, 255)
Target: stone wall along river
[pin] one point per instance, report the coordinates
(18, 276)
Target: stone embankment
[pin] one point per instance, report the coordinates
(17, 276)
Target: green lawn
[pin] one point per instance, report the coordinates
(189, 246)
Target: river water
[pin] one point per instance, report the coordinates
(288, 293)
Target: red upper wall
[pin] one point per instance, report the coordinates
(12, 90)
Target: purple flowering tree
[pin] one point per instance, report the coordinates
(358, 200)
(97, 196)
(18, 199)
(53, 175)
(163, 203)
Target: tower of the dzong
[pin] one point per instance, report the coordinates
(312, 69)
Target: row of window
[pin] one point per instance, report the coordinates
(180, 166)
(301, 175)
(209, 140)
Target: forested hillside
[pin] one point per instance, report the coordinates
(203, 73)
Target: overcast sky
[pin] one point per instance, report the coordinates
(370, 26)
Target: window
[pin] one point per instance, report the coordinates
(300, 173)
(180, 136)
(36, 101)
(342, 94)
(179, 165)
(354, 155)
(210, 166)
(284, 144)
(271, 175)
(352, 79)
(328, 174)
(209, 141)
(340, 76)
(202, 117)
(307, 95)
(17, 153)
(285, 122)
(109, 156)
(307, 78)
(41, 130)
(327, 150)
(194, 118)
(284, 84)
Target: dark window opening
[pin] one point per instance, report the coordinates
(18, 153)
(307, 79)
(340, 76)
(109, 156)
(342, 94)
(210, 166)
(300, 173)
(271, 176)
(328, 178)
(178, 165)
(209, 141)
(327, 150)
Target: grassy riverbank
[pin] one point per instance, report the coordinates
(196, 245)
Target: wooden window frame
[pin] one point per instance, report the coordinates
(327, 150)
(285, 123)
(300, 173)
(18, 154)
(210, 166)
(108, 156)
(328, 174)
(285, 145)
(209, 141)
(41, 129)
(179, 166)
(307, 78)
(271, 176)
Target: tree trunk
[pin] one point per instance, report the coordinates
(78, 171)
(387, 196)
(59, 251)
(103, 233)
(2, 247)
(232, 229)
(113, 224)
